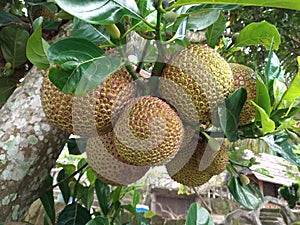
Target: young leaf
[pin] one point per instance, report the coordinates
(279, 88)
(103, 192)
(272, 70)
(98, 220)
(261, 33)
(78, 65)
(37, 47)
(7, 87)
(293, 91)
(94, 33)
(100, 11)
(13, 45)
(242, 194)
(215, 30)
(289, 4)
(268, 125)
(74, 214)
(229, 115)
(198, 216)
(262, 96)
(64, 186)
(47, 200)
(136, 198)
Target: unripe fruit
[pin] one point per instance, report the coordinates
(170, 16)
(113, 31)
(7, 65)
(244, 179)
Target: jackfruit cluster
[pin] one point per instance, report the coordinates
(128, 133)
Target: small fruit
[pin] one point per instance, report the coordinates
(148, 132)
(106, 167)
(191, 174)
(244, 77)
(92, 114)
(194, 81)
(113, 31)
(170, 16)
(7, 65)
(244, 179)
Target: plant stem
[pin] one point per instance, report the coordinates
(132, 72)
(141, 63)
(67, 178)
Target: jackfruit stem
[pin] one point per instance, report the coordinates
(141, 63)
(132, 72)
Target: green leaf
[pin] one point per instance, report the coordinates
(279, 143)
(74, 214)
(289, 4)
(76, 146)
(98, 220)
(268, 125)
(8, 19)
(279, 88)
(215, 30)
(94, 33)
(7, 87)
(242, 194)
(273, 69)
(229, 115)
(91, 176)
(146, 7)
(100, 11)
(81, 163)
(198, 216)
(64, 186)
(136, 198)
(202, 19)
(263, 171)
(149, 214)
(78, 65)
(87, 196)
(102, 192)
(262, 96)
(13, 45)
(37, 47)
(115, 195)
(260, 33)
(293, 91)
(47, 200)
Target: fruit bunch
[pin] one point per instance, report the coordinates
(128, 132)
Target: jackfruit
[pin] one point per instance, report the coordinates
(195, 80)
(148, 132)
(245, 77)
(92, 114)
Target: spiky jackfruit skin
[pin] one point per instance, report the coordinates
(108, 168)
(92, 114)
(245, 77)
(190, 174)
(194, 81)
(148, 132)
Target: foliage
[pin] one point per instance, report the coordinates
(79, 63)
(290, 194)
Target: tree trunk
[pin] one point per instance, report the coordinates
(29, 147)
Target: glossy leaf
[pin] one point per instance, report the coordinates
(76, 146)
(293, 91)
(13, 45)
(116, 194)
(37, 47)
(279, 88)
(260, 33)
(7, 87)
(78, 65)
(279, 143)
(64, 186)
(74, 214)
(229, 115)
(87, 196)
(202, 19)
(102, 192)
(136, 198)
(8, 19)
(262, 96)
(100, 11)
(268, 125)
(146, 7)
(215, 30)
(242, 194)
(98, 220)
(198, 216)
(94, 33)
(91, 176)
(289, 4)
(272, 69)
(47, 200)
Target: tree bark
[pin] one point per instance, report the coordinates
(29, 147)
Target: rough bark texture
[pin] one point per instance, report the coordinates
(29, 146)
